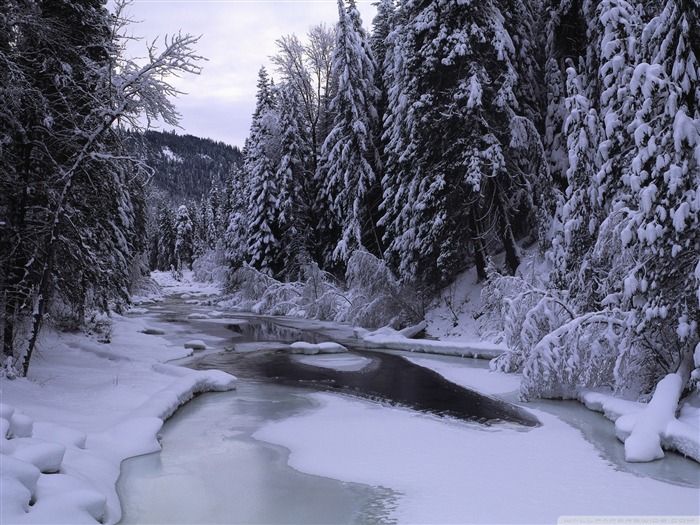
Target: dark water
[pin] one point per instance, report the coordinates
(388, 378)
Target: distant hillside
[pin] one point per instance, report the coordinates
(186, 166)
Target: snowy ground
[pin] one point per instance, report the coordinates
(449, 471)
(87, 406)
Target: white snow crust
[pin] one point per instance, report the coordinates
(341, 362)
(472, 474)
(84, 408)
(394, 340)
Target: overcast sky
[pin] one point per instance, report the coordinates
(238, 36)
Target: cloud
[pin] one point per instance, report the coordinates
(237, 37)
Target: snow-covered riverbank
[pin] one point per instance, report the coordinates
(87, 406)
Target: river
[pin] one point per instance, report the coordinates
(213, 469)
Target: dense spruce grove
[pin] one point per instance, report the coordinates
(380, 165)
(460, 133)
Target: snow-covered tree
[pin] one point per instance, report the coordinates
(577, 216)
(261, 161)
(166, 234)
(184, 239)
(349, 155)
(86, 219)
(449, 189)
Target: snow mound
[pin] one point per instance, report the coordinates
(55, 474)
(137, 311)
(302, 347)
(391, 339)
(340, 362)
(647, 429)
(196, 344)
(198, 316)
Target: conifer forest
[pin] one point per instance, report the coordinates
(551, 146)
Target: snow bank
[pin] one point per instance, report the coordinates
(86, 407)
(185, 285)
(302, 347)
(482, 380)
(196, 344)
(647, 429)
(394, 340)
(448, 471)
(341, 362)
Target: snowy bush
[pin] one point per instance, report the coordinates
(525, 311)
(321, 297)
(374, 296)
(561, 350)
(211, 266)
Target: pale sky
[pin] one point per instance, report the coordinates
(238, 36)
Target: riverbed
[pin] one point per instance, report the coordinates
(359, 457)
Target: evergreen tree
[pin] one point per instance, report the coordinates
(449, 140)
(236, 219)
(579, 212)
(261, 159)
(166, 233)
(184, 239)
(298, 217)
(349, 154)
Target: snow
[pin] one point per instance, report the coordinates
(446, 470)
(482, 380)
(302, 347)
(393, 340)
(651, 426)
(341, 362)
(84, 408)
(88, 406)
(196, 344)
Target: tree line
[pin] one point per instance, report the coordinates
(456, 131)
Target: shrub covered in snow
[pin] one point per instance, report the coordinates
(373, 296)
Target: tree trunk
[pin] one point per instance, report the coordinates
(509, 244)
(480, 255)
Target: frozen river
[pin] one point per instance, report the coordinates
(358, 459)
(212, 470)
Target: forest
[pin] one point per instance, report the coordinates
(380, 165)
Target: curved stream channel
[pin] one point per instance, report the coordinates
(211, 469)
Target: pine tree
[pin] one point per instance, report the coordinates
(661, 190)
(184, 239)
(579, 212)
(349, 154)
(235, 211)
(261, 160)
(449, 137)
(166, 234)
(297, 185)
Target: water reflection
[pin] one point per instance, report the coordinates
(265, 332)
(391, 378)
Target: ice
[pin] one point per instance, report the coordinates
(196, 344)
(344, 362)
(264, 346)
(448, 471)
(198, 316)
(302, 347)
(393, 340)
